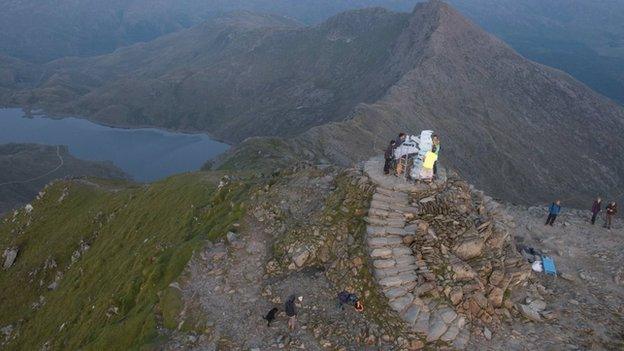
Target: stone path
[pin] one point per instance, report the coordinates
(398, 272)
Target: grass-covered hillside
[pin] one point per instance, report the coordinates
(94, 256)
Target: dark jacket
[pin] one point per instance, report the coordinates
(596, 207)
(611, 209)
(389, 153)
(289, 306)
(554, 209)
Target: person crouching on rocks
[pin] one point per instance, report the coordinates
(596, 208)
(291, 310)
(611, 212)
(553, 212)
(389, 157)
(426, 172)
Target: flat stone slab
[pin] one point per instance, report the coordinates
(378, 242)
(411, 314)
(381, 273)
(401, 303)
(422, 323)
(437, 328)
(375, 221)
(401, 251)
(404, 269)
(375, 230)
(393, 293)
(384, 263)
(396, 231)
(405, 260)
(397, 280)
(382, 253)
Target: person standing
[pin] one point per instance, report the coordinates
(389, 157)
(596, 208)
(426, 172)
(436, 145)
(400, 139)
(611, 212)
(553, 212)
(291, 310)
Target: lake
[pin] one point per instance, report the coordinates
(147, 154)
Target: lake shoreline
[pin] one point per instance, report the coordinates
(40, 113)
(147, 153)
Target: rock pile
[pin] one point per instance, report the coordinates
(443, 256)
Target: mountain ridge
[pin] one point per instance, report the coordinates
(369, 74)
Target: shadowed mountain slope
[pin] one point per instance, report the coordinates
(521, 130)
(518, 129)
(27, 168)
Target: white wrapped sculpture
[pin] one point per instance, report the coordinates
(409, 147)
(425, 145)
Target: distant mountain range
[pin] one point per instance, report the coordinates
(584, 38)
(27, 168)
(341, 89)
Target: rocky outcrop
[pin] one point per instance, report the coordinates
(9, 255)
(442, 255)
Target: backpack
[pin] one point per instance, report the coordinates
(347, 298)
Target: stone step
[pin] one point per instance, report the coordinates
(393, 293)
(396, 231)
(375, 231)
(396, 223)
(405, 260)
(380, 242)
(401, 251)
(397, 280)
(390, 199)
(408, 268)
(382, 253)
(382, 264)
(375, 221)
(391, 193)
(381, 273)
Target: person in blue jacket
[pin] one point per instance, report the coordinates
(553, 211)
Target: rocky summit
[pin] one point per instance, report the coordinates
(438, 265)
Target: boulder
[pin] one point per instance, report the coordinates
(300, 258)
(9, 255)
(469, 248)
(496, 296)
(530, 313)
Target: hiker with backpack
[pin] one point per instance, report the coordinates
(611, 212)
(389, 157)
(553, 212)
(596, 208)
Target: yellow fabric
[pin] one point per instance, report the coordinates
(430, 159)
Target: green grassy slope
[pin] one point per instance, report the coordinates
(140, 238)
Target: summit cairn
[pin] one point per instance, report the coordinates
(442, 255)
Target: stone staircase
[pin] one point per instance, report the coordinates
(399, 273)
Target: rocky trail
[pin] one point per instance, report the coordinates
(437, 266)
